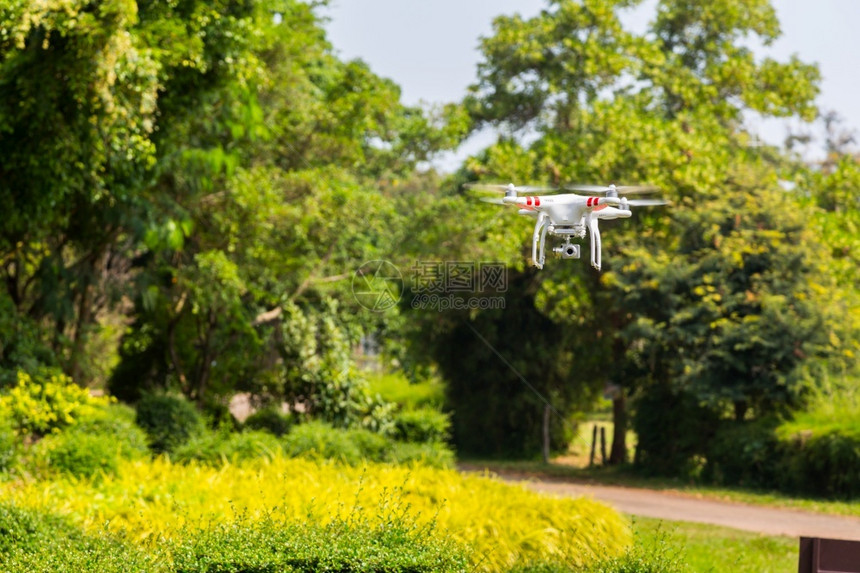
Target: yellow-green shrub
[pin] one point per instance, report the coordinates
(49, 402)
(503, 524)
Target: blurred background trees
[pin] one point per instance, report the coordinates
(188, 189)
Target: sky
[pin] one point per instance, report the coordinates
(430, 48)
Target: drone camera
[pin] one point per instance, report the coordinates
(567, 251)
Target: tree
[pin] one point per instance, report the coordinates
(77, 111)
(663, 108)
(272, 197)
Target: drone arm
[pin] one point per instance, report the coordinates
(595, 240)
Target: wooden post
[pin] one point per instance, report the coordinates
(603, 444)
(546, 413)
(593, 444)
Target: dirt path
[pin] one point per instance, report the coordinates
(681, 507)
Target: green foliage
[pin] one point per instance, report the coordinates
(498, 403)
(745, 454)
(817, 452)
(9, 446)
(45, 402)
(820, 448)
(318, 440)
(394, 542)
(422, 425)
(673, 431)
(33, 542)
(822, 462)
(269, 420)
(319, 373)
(79, 453)
(169, 421)
(26, 530)
(219, 447)
(433, 454)
(116, 422)
(264, 154)
(395, 387)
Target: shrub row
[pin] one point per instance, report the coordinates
(314, 440)
(97, 435)
(819, 462)
(175, 427)
(35, 543)
(95, 446)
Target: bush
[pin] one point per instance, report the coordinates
(215, 448)
(434, 454)
(46, 402)
(822, 463)
(169, 421)
(319, 440)
(371, 446)
(32, 542)
(152, 499)
(269, 420)
(422, 425)
(79, 453)
(9, 446)
(396, 388)
(27, 530)
(673, 432)
(218, 416)
(744, 453)
(116, 422)
(395, 544)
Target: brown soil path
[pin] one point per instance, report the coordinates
(680, 507)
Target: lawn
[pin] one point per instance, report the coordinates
(711, 549)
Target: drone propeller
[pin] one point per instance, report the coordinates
(509, 188)
(622, 189)
(645, 202)
(493, 200)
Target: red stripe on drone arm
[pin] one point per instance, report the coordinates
(537, 201)
(528, 200)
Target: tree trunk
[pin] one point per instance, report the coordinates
(546, 416)
(740, 410)
(618, 455)
(75, 369)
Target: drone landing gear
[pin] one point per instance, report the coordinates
(566, 250)
(595, 240)
(539, 240)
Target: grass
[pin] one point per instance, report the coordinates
(712, 549)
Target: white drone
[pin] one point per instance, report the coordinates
(568, 215)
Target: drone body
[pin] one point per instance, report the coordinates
(570, 215)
